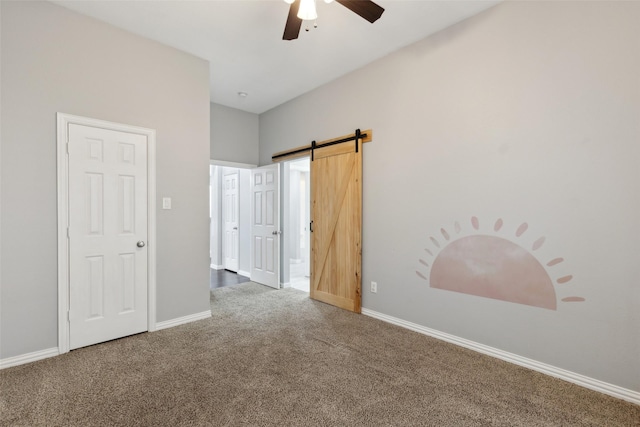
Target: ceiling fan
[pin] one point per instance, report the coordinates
(306, 10)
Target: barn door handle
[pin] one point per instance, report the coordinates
(311, 226)
(140, 244)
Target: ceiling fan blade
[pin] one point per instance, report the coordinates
(365, 8)
(292, 27)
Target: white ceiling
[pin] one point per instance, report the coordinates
(242, 39)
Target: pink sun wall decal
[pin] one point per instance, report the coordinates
(492, 267)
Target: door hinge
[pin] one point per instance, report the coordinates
(68, 234)
(69, 315)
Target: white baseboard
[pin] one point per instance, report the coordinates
(217, 267)
(51, 352)
(581, 380)
(182, 320)
(28, 358)
(285, 285)
(244, 273)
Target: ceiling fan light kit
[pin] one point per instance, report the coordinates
(305, 10)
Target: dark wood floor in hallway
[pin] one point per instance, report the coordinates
(222, 278)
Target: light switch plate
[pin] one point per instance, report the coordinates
(166, 203)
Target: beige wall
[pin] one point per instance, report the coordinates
(528, 113)
(54, 60)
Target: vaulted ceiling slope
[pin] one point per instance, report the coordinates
(242, 39)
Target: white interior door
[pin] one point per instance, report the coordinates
(107, 234)
(230, 209)
(265, 223)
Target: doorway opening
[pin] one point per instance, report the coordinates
(230, 223)
(231, 260)
(297, 232)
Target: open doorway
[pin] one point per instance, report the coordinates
(297, 233)
(230, 262)
(230, 226)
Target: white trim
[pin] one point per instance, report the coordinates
(244, 273)
(227, 261)
(182, 320)
(232, 164)
(151, 229)
(217, 267)
(28, 358)
(581, 380)
(63, 122)
(63, 244)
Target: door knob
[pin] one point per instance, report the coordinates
(140, 244)
(275, 233)
(235, 228)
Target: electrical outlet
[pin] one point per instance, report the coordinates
(374, 287)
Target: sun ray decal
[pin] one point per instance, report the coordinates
(491, 267)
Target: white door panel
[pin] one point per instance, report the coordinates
(107, 219)
(265, 222)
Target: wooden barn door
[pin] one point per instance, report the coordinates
(336, 215)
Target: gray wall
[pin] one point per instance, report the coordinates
(56, 60)
(529, 113)
(234, 135)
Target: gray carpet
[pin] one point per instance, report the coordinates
(270, 358)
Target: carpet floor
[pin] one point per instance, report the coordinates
(277, 358)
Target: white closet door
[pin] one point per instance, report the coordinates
(107, 234)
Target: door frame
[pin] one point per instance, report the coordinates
(224, 220)
(286, 218)
(215, 202)
(63, 122)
